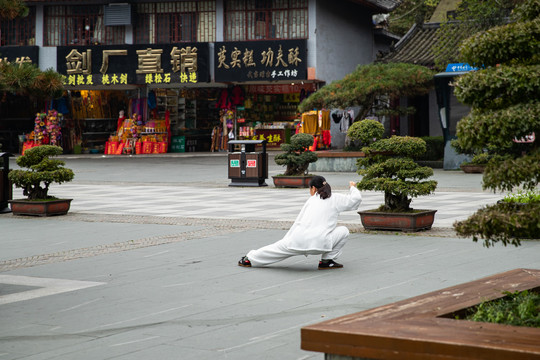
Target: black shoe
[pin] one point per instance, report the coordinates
(329, 264)
(244, 262)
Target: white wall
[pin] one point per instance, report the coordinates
(47, 55)
(344, 38)
(312, 34)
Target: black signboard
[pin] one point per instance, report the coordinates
(260, 60)
(134, 64)
(20, 54)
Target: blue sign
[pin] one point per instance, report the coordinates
(459, 67)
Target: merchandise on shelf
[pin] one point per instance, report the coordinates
(246, 131)
(53, 127)
(94, 115)
(40, 129)
(135, 137)
(130, 127)
(181, 105)
(317, 123)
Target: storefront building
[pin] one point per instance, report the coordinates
(187, 75)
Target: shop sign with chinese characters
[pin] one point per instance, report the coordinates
(133, 64)
(290, 89)
(260, 60)
(19, 55)
(274, 137)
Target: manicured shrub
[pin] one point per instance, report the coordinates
(389, 167)
(296, 156)
(503, 94)
(42, 171)
(366, 131)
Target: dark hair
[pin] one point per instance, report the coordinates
(323, 188)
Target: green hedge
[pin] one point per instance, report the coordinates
(504, 222)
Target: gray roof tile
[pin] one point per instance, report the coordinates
(417, 46)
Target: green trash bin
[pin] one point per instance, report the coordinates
(178, 144)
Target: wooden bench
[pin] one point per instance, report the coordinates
(424, 327)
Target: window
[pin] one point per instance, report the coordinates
(19, 31)
(79, 25)
(173, 22)
(266, 19)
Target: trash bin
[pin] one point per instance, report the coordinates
(248, 167)
(6, 190)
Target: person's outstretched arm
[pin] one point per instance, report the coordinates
(352, 200)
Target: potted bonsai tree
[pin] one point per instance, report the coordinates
(42, 171)
(296, 157)
(477, 164)
(478, 158)
(389, 166)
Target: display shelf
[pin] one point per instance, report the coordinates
(191, 114)
(168, 100)
(95, 140)
(181, 123)
(97, 130)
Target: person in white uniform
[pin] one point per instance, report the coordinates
(314, 231)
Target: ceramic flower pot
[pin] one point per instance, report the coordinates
(40, 208)
(408, 222)
(473, 168)
(292, 181)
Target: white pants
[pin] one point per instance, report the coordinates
(278, 251)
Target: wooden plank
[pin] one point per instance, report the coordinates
(422, 327)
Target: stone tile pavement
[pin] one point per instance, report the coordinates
(141, 269)
(261, 203)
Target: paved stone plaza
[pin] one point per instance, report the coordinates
(144, 265)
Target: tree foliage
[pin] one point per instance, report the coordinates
(366, 131)
(42, 171)
(470, 17)
(517, 42)
(296, 156)
(389, 167)
(28, 80)
(497, 128)
(505, 107)
(11, 9)
(502, 222)
(370, 87)
(499, 87)
(409, 12)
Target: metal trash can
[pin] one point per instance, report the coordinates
(248, 167)
(6, 189)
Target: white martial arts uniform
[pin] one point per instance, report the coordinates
(314, 232)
